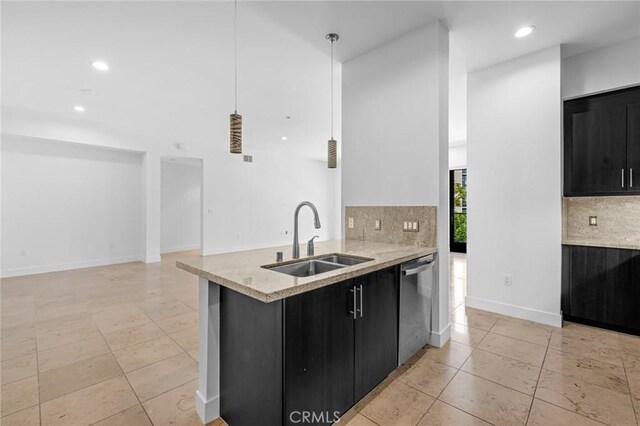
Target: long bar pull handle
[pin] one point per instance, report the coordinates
(631, 177)
(361, 305)
(353, 310)
(622, 178)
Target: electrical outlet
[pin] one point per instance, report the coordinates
(350, 223)
(23, 252)
(378, 225)
(593, 220)
(411, 226)
(507, 280)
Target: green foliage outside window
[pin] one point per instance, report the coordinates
(460, 227)
(459, 194)
(459, 219)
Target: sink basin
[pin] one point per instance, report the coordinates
(306, 268)
(343, 259)
(310, 267)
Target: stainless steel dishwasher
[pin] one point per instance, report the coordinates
(417, 295)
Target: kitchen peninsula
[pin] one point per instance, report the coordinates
(273, 346)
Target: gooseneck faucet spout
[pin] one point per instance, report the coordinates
(316, 219)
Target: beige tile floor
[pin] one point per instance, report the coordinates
(117, 345)
(504, 371)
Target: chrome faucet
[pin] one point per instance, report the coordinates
(296, 245)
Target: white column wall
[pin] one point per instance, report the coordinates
(395, 131)
(515, 187)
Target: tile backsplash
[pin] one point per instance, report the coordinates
(392, 219)
(618, 219)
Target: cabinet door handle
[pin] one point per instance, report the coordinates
(631, 177)
(353, 310)
(622, 178)
(361, 305)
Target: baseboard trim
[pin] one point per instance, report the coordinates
(521, 312)
(31, 270)
(179, 248)
(152, 259)
(207, 410)
(439, 339)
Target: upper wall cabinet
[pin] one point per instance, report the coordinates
(602, 144)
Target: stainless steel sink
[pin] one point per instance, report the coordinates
(310, 267)
(306, 268)
(343, 259)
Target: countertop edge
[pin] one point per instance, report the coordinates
(623, 246)
(359, 270)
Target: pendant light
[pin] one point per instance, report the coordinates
(235, 119)
(332, 159)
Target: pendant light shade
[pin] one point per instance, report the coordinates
(235, 119)
(235, 138)
(332, 144)
(333, 154)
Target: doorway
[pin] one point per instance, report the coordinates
(458, 210)
(181, 204)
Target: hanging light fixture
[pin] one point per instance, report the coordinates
(332, 158)
(235, 119)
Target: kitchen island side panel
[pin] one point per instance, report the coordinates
(251, 360)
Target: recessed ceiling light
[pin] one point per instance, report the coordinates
(79, 108)
(284, 138)
(100, 65)
(524, 31)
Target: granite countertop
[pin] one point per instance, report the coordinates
(243, 272)
(608, 244)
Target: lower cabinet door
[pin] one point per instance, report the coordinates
(589, 283)
(319, 355)
(624, 294)
(376, 334)
(602, 286)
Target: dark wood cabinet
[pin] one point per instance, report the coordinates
(250, 360)
(376, 333)
(633, 145)
(318, 352)
(601, 286)
(602, 143)
(599, 152)
(334, 356)
(624, 298)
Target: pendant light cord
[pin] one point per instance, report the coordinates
(331, 89)
(235, 55)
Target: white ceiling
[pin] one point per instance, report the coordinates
(171, 75)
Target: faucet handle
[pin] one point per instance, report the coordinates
(310, 247)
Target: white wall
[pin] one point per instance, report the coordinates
(458, 155)
(245, 205)
(180, 205)
(68, 206)
(602, 69)
(457, 105)
(255, 202)
(395, 130)
(514, 144)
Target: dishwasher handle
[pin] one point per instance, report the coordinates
(421, 265)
